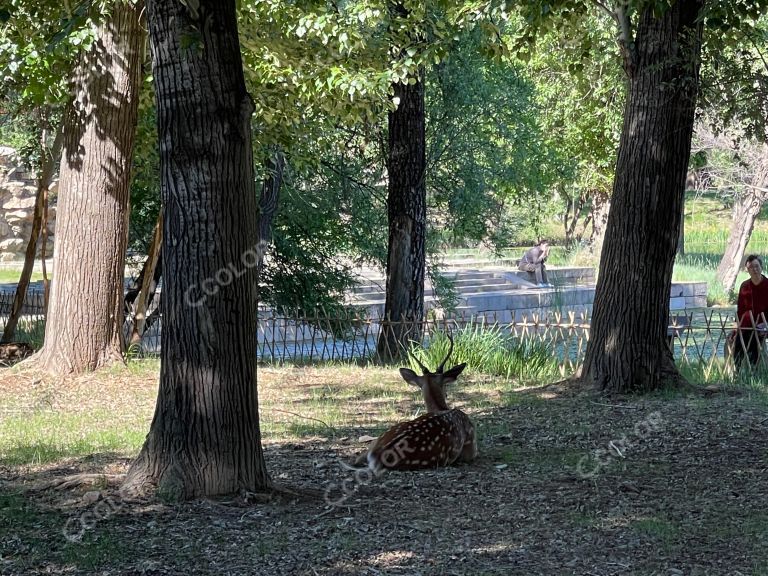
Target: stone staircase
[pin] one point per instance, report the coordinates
(495, 290)
(498, 292)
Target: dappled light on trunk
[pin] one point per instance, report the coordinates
(85, 313)
(627, 350)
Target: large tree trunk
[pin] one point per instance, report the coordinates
(49, 158)
(406, 208)
(85, 314)
(627, 349)
(745, 213)
(205, 438)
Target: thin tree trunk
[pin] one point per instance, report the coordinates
(681, 234)
(43, 246)
(149, 280)
(745, 213)
(49, 157)
(205, 438)
(627, 349)
(601, 207)
(85, 314)
(268, 202)
(406, 208)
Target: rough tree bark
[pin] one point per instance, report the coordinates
(745, 212)
(49, 158)
(85, 313)
(407, 214)
(627, 349)
(139, 299)
(204, 439)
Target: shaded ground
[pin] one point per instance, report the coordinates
(567, 483)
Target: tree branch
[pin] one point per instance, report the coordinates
(625, 35)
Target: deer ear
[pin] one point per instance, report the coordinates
(410, 376)
(453, 373)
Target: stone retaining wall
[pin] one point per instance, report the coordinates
(18, 188)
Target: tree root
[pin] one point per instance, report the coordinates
(78, 480)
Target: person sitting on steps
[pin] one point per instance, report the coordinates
(533, 261)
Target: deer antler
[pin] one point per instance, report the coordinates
(450, 349)
(423, 368)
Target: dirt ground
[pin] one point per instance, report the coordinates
(566, 483)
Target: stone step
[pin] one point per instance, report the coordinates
(480, 263)
(464, 285)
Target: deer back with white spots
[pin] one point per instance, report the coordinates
(440, 437)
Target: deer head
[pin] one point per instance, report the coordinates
(438, 438)
(433, 384)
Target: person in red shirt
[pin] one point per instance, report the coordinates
(751, 314)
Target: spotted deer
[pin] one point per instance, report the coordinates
(441, 437)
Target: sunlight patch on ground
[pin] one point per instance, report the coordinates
(392, 558)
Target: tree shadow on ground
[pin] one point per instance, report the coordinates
(566, 482)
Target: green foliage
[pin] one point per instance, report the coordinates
(328, 220)
(20, 131)
(39, 44)
(487, 349)
(484, 153)
(145, 181)
(443, 287)
(580, 90)
(486, 149)
(734, 75)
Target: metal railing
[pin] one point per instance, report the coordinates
(697, 337)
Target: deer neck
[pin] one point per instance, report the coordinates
(435, 402)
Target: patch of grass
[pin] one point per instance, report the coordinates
(702, 267)
(329, 401)
(11, 276)
(555, 459)
(583, 519)
(44, 419)
(49, 436)
(486, 349)
(31, 331)
(659, 529)
(97, 548)
(490, 428)
(31, 536)
(144, 367)
(701, 373)
(751, 380)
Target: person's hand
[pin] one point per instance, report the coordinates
(732, 336)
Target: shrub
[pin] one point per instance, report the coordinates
(487, 349)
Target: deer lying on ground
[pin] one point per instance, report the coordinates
(441, 437)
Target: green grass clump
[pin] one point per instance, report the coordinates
(485, 348)
(11, 276)
(45, 436)
(31, 331)
(702, 267)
